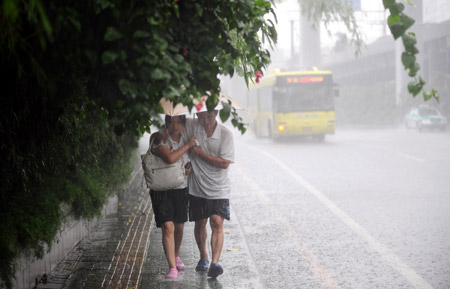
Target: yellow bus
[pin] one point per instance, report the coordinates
(293, 103)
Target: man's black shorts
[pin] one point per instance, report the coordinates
(200, 208)
(169, 206)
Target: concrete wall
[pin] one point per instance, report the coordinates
(30, 269)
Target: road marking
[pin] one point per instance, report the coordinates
(318, 269)
(415, 279)
(122, 266)
(410, 157)
(132, 275)
(147, 243)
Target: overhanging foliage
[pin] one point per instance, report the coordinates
(83, 81)
(399, 23)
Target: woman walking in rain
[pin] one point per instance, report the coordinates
(170, 207)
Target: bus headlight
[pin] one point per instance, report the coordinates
(281, 127)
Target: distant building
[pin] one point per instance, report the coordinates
(436, 11)
(373, 86)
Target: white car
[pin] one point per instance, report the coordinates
(425, 118)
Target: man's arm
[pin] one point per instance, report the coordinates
(217, 162)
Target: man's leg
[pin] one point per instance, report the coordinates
(200, 237)
(216, 223)
(217, 237)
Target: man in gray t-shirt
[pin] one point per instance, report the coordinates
(209, 185)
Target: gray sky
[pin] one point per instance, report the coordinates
(371, 21)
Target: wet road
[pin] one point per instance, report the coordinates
(364, 209)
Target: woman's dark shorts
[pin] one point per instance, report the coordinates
(170, 206)
(200, 208)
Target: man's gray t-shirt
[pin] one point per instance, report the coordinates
(207, 181)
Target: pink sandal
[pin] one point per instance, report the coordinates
(179, 263)
(173, 274)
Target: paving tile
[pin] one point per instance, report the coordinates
(125, 251)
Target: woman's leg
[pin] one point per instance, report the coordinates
(179, 227)
(168, 240)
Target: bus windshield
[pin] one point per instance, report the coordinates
(303, 97)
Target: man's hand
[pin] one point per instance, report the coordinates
(217, 162)
(191, 141)
(196, 150)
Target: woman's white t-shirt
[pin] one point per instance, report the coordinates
(173, 146)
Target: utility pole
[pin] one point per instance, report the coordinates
(310, 52)
(292, 39)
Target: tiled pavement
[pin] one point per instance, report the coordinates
(239, 271)
(125, 251)
(112, 255)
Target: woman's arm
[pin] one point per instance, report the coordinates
(170, 157)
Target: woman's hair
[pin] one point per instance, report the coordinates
(168, 119)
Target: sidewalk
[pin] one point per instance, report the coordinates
(125, 251)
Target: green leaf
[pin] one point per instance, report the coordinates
(408, 60)
(413, 70)
(412, 50)
(75, 23)
(427, 96)
(433, 94)
(393, 19)
(127, 88)
(109, 57)
(141, 34)
(409, 40)
(163, 45)
(112, 34)
(211, 102)
(231, 71)
(154, 21)
(104, 113)
(407, 21)
(157, 74)
(44, 18)
(123, 55)
(177, 11)
(397, 29)
(388, 3)
(412, 88)
(225, 111)
(397, 8)
(104, 4)
(415, 86)
(10, 9)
